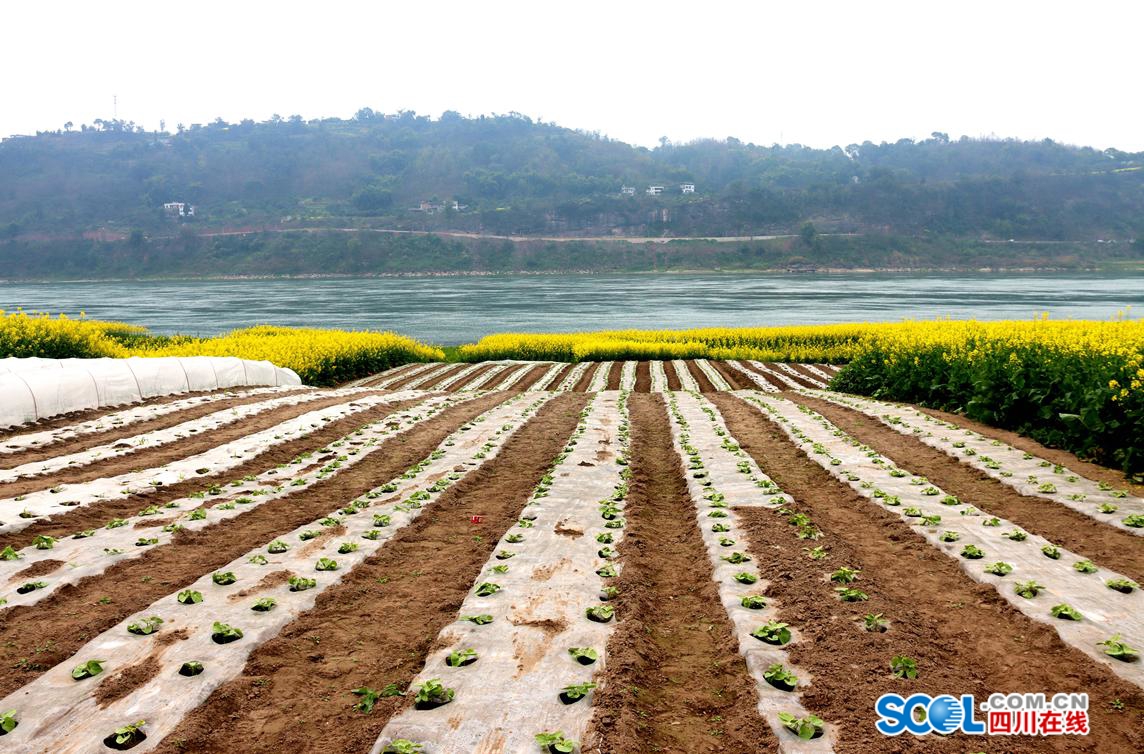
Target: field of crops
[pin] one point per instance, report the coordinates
(692, 555)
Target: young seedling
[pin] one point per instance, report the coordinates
(1115, 647)
(780, 677)
(301, 583)
(31, 586)
(1016, 535)
(576, 692)
(949, 536)
(555, 743)
(1000, 568)
(431, 694)
(1121, 585)
(600, 613)
(736, 558)
(1052, 552)
(403, 746)
(87, 669)
(487, 588)
(127, 736)
(972, 552)
(584, 655)
(264, 605)
(347, 547)
(1065, 612)
(505, 554)
(10, 553)
(849, 594)
(189, 597)
(145, 626)
(773, 632)
(874, 622)
(223, 578)
(609, 593)
(8, 722)
(1028, 589)
(461, 657)
(904, 667)
(221, 633)
(815, 553)
(480, 620)
(191, 668)
(845, 575)
(805, 728)
(1085, 566)
(753, 602)
(746, 578)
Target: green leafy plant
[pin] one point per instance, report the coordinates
(129, 733)
(1121, 585)
(972, 552)
(600, 613)
(223, 578)
(875, 623)
(1000, 568)
(806, 728)
(31, 586)
(1115, 647)
(746, 578)
(326, 564)
(1085, 566)
(87, 669)
(264, 604)
(43, 542)
(8, 722)
(575, 692)
(403, 746)
(461, 658)
(189, 597)
(845, 575)
(1065, 612)
(301, 583)
(222, 633)
(773, 632)
(1051, 551)
(904, 667)
(736, 558)
(145, 626)
(480, 620)
(1028, 589)
(1136, 520)
(191, 668)
(1016, 535)
(584, 655)
(753, 602)
(347, 547)
(850, 594)
(816, 553)
(10, 553)
(487, 588)
(555, 742)
(949, 536)
(781, 678)
(258, 559)
(432, 694)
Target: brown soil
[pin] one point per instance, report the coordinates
(801, 369)
(442, 376)
(614, 375)
(37, 637)
(643, 377)
(164, 454)
(496, 382)
(563, 373)
(581, 385)
(472, 377)
(697, 374)
(121, 683)
(964, 636)
(675, 681)
(1088, 469)
(77, 417)
(1105, 545)
(530, 378)
(773, 380)
(796, 378)
(375, 379)
(414, 585)
(673, 382)
(112, 434)
(734, 377)
(407, 378)
(39, 568)
(98, 514)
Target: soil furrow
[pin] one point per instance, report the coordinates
(796, 378)
(585, 380)
(965, 638)
(379, 623)
(673, 381)
(441, 377)
(37, 637)
(199, 442)
(734, 378)
(675, 681)
(530, 378)
(407, 378)
(111, 434)
(560, 377)
(496, 382)
(643, 377)
(772, 379)
(802, 370)
(471, 377)
(78, 417)
(700, 378)
(1087, 469)
(1105, 545)
(614, 375)
(99, 513)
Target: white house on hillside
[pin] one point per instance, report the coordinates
(654, 190)
(687, 188)
(178, 209)
(628, 190)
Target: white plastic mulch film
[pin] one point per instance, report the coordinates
(33, 389)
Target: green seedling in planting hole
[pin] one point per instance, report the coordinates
(198, 514)
(191, 668)
(487, 588)
(480, 620)
(1065, 612)
(87, 669)
(328, 521)
(845, 575)
(949, 536)
(326, 564)
(575, 692)
(44, 542)
(609, 592)
(773, 632)
(1136, 520)
(347, 547)
(461, 658)
(600, 613)
(301, 583)
(514, 538)
(129, 732)
(931, 491)
(116, 523)
(930, 520)
(1028, 589)
(1121, 585)
(308, 535)
(8, 722)
(753, 602)
(726, 541)
(583, 655)
(805, 728)
(1108, 508)
(223, 633)
(809, 532)
(1016, 535)
(189, 597)
(112, 550)
(264, 605)
(381, 519)
(403, 745)
(904, 667)
(10, 553)
(912, 512)
(816, 553)
(781, 678)
(736, 558)
(223, 578)
(555, 742)
(849, 594)
(875, 623)
(1115, 647)
(972, 552)
(1000, 568)
(720, 528)
(505, 554)
(170, 529)
(500, 569)
(991, 522)
(369, 698)
(606, 552)
(1047, 488)
(145, 626)
(1051, 551)
(605, 538)
(259, 559)
(434, 693)
(1085, 566)
(746, 578)
(372, 534)
(617, 524)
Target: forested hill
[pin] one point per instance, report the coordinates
(511, 175)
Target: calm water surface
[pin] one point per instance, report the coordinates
(451, 310)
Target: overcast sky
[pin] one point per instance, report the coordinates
(817, 73)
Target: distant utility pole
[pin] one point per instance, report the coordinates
(115, 107)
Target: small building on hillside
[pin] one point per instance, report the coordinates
(654, 190)
(178, 209)
(687, 188)
(628, 190)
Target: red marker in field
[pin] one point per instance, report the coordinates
(476, 519)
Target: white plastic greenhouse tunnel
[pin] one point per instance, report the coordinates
(32, 389)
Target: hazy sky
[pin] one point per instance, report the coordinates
(818, 73)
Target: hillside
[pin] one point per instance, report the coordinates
(508, 175)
